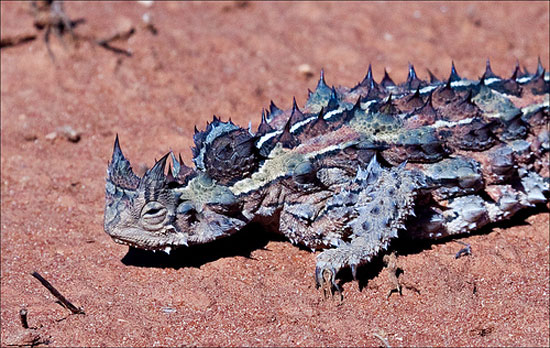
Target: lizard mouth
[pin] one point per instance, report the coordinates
(167, 247)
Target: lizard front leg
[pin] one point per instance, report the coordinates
(351, 254)
(383, 199)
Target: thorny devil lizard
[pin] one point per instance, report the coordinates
(351, 170)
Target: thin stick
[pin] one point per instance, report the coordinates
(16, 40)
(61, 298)
(106, 43)
(125, 35)
(115, 49)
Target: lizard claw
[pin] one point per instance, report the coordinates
(325, 278)
(391, 264)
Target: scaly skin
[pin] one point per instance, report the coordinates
(351, 170)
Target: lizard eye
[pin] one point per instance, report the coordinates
(153, 213)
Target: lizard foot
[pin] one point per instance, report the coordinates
(329, 263)
(391, 264)
(325, 279)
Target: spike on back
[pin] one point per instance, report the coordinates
(516, 72)
(412, 74)
(319, 96)
(180, 172)
(388, 107)
(119, 171)
(488, 71)
(454, 74)
(170, 178)
(175, 163)
(185, 173)
(368, 81)
(322, 87)
(445, 92)
(296, 114)
(320, 116)
(427, 108)
(155, 176)
(433, 78)
(273, 109)
(386, 81)
(540, 69)
(294, 104)
(413, 81)
(322, 83)
(264, 126)
(286, 138)
(468, 98)
(416, 95)
(317, 127)
(414, 100)
(333, 100)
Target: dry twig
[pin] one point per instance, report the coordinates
(57, 294)
(11, 41)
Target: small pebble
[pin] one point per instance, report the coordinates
(51, 136)
(30, 137)
(65, 131)
(168, 310)
(69, 133)
(305, 70)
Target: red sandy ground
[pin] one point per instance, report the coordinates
(231, 59)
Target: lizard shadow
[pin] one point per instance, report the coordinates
(242, 243)
(255, 237)
(406, 246)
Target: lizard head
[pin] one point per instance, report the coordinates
(163, 211)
